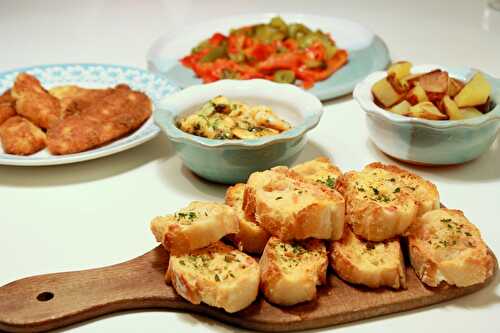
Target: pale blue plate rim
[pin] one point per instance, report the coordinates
(377, 53)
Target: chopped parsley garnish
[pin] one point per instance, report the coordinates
(190, 216)
(278, 198)
(468, 234)
(217, 278)
(329, 181)
(397, 190)
(392, 180)
(375, 191)
(445, 220)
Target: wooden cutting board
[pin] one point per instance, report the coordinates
(45, 302)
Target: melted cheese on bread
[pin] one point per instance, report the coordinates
(445, 247)
(371, 264)
(319, 171)
(290, 208)
(196, 226)
(379, 205)
(217, 275)
(290, 271)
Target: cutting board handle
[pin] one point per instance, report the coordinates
(44, 302)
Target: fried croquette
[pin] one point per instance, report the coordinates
(75, 99)
(108, 119)
(7, 109)
(34, 102)
(21, 137)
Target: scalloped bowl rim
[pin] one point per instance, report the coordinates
(312, 108)
(362, 94)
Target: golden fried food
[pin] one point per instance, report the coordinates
(75, 99)
(109, 118)
(7, 109)
(34, 102)
(21, 137)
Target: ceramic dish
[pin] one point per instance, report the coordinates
(231, 161)
(367, 52)
(429, 142)
(90, 76)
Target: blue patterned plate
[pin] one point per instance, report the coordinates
(90, 76)
(367, 52)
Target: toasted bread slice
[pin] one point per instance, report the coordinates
(371, 264)
(383, 200)
(198, 225)
(251, 238)
(290, 208)
(445, 247)
(319, 170)
(290, 271)
(217, 275)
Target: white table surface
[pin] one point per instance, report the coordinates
(97, 213)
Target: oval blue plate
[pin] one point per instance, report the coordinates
(367, 52)
(90, 76)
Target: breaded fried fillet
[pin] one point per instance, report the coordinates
(109, 118)
(7, 109)
(75, 99)
(34, 102)
(20, 137)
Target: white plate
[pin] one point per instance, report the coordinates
(367, 52)
(90, 76)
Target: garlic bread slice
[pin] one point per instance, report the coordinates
(373, 264)
(319, 171)
(217, 275)
(378, 206)
(195, 226)
(445, 247)
(288, 207)
(251, 238)
(290, 271)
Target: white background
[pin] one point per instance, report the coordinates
(97, 213)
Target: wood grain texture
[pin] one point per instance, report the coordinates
(139, 283)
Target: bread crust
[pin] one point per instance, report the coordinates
(380, 202)
(251, 238)
(215, 275)
(195, 226)
(290, 208)
(371, 264)
(290, 271)
(445, 247)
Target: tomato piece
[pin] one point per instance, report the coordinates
(332, 65)
(261, 52)
(280, 61)
(216, 39)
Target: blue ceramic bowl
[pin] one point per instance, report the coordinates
(430, 142)
(232, 161)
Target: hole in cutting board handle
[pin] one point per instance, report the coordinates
(45, 296)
